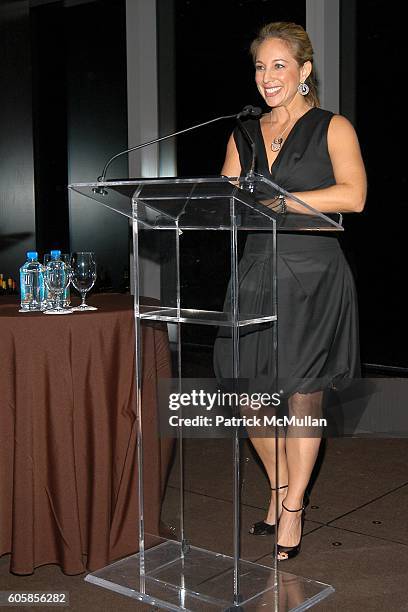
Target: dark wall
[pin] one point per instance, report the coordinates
(63, 109)
(49, 85)
(17, 213)
(379, 234)
(97, 126)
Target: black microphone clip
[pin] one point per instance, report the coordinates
(100, 190)
(250, 111)
(248, 182)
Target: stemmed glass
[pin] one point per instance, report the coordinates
(57, 278)
(83, 278)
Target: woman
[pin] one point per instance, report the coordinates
(315, 155)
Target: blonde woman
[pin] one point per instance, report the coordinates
(314, 154)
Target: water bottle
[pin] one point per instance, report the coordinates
(66, 298)
(57, 278)
(32, 284)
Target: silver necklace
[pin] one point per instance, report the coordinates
(277, 142)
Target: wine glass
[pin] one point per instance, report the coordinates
(57, 278)
(83, 278)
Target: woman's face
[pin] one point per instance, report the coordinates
(277, 73)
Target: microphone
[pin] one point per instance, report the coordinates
(252, 111)
(249, 110)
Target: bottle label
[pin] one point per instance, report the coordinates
(32, 286)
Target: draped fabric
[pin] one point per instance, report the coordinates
(68, 476)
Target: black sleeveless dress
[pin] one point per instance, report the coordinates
(317, 307)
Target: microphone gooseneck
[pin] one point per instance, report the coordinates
(249, 110)
(252, 111)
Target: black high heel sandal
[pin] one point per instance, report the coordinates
(262, 528)
(291, 551)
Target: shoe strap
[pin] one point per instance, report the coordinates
(276, 488)
(289, 510)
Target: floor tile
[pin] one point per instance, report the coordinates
(208, 470)
(208, 524)
(382, 518)
(368, 574)
(354, 472)
(349, 473)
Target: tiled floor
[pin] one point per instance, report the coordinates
(356, 529)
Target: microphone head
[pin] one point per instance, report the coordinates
(250, 111)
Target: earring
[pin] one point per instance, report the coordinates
(303, 88)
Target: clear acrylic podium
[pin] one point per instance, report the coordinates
(173, 574)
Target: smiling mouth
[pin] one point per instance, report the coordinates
(271, 91)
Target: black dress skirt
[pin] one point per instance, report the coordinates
(317, 308)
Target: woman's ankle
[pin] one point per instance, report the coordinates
(281, 488)
(271, 516)
(293, 502)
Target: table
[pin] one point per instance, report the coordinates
(68, 488)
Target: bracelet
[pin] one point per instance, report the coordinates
(281, 207)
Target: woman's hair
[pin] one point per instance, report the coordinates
(299, 43)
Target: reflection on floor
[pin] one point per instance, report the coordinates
(356, 530)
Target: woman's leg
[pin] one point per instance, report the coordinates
(265, 447)
(301, 454)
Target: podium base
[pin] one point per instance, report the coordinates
(203, 581)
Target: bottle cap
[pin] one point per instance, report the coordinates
(55, 254)
(32, 255)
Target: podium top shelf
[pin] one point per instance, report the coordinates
(218, 203)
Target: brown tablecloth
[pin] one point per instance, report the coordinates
(68, 486)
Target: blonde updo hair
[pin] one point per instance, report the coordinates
(299, 43)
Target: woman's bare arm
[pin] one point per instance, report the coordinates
(232, 165)
(349, 192)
